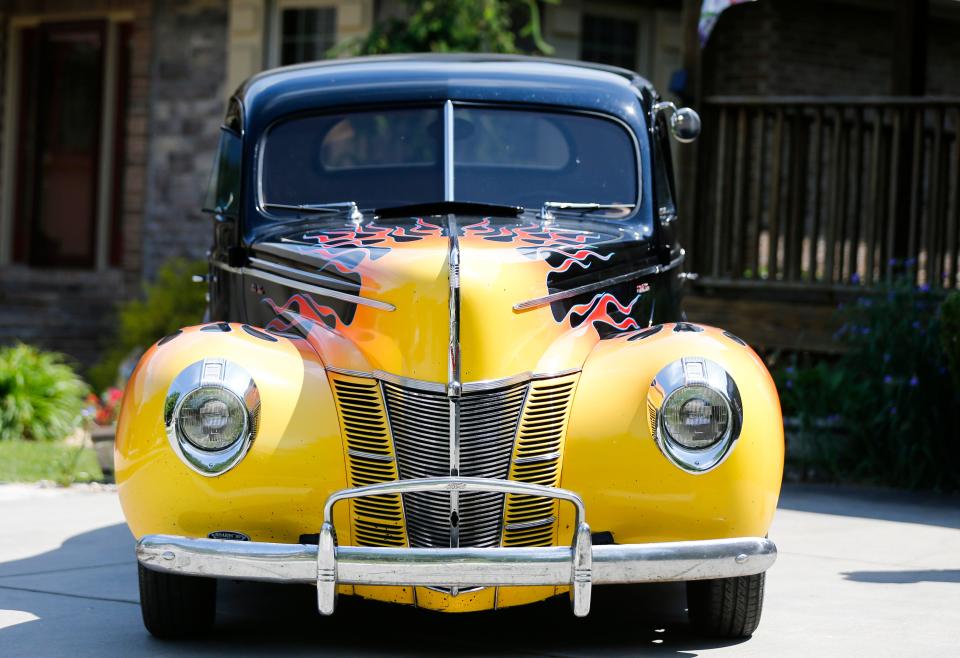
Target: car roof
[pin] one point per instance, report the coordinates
(435, 76)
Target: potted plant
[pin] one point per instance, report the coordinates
(102, 411)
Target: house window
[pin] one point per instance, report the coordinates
(65, 145)
(609, 40)
(306, 34)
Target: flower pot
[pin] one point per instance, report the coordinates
(103, 437)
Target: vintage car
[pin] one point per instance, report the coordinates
(446, 364)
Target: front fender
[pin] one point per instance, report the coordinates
(276, 493)
(630, 488)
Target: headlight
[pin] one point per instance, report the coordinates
(211, 415)
(212, 418)
(695, 413)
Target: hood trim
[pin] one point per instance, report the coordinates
(454, 384)
(438, 387)
(546, 300)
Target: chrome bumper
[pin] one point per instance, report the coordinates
(580, 566)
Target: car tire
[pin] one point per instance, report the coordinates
(176, 606)
(726, 607)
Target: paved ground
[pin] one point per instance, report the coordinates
(859, 574)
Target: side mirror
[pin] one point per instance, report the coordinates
(684, 122)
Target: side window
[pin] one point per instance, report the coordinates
(223, 193)
(663, 174)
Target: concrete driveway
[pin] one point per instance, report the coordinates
(859, 574)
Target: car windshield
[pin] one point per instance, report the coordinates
(393, 157)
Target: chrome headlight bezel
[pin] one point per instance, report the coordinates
(212, 373)
(687, 372)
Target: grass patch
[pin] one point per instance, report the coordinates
(31, 461)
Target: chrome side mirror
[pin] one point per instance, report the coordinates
(684, 122)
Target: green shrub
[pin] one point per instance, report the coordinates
(41, 396)
(169, 303)
(884, 412)
(950, 333)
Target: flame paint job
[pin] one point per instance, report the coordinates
(276, 493)
(298, 458)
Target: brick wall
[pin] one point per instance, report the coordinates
(188, 102)
(821, 47)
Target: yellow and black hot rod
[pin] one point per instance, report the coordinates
(446, 364)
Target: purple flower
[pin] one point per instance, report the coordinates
(915, 324)
(854, 278)
(910, 262)
(887, 379)
(893, 410)
(865, 330)
(789, 383)
(791, 370)
(914, 381)
(924, 287)
(893, 262)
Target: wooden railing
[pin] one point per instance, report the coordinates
(827, 192)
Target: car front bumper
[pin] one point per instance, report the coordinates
(579, 566)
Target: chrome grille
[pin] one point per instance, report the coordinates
(420, 424)
(377, 520)
(532, 520)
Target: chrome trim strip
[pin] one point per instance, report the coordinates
(306, 287)
(399, 380)
(437, 387)
(220, 265)
(459, 484)
(590, 287)
(531, 524)
(317, 290)
(535, 459)
(370, 455)
(448, 166)
(293, 272)
(454, 388)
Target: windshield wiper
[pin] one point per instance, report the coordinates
(349, 207)
(445, 207)
(576, 208)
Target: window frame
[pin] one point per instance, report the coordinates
(274, 30)
(637, 152)
(214, 179)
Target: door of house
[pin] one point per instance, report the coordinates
(60, 120)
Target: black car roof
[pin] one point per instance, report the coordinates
(433, 76)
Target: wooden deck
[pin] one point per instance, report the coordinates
(801, 203)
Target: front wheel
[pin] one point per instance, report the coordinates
(176, 606)
(726, 607)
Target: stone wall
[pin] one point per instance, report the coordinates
(188, 103)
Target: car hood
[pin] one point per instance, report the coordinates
(374, 297)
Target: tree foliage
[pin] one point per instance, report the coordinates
(170, 302)
(488, 26)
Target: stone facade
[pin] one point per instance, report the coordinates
(188, 104)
